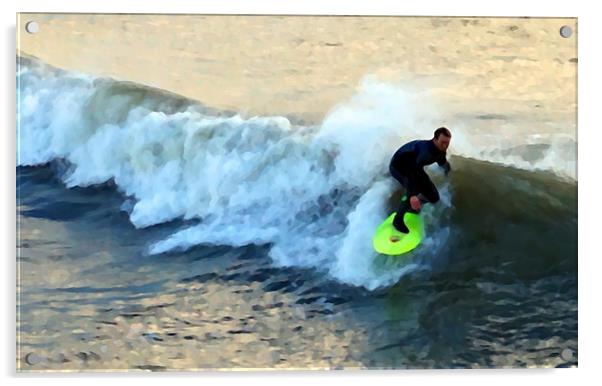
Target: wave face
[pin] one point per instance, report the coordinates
(314, 194)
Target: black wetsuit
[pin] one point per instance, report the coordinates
(407, 167)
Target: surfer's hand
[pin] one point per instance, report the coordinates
(415, 203)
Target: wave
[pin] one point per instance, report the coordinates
(314, 193)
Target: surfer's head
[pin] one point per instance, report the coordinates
(441, 138)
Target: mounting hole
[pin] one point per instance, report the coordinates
(566, 31)
(32, 27)
(566, 354)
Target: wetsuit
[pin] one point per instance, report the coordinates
(407, 167)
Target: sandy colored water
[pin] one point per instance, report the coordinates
(481, 72)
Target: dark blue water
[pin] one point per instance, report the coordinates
(502, 293)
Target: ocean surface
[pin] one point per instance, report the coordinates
(156, 233)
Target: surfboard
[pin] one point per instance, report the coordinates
(389, 241)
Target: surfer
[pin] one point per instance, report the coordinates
(407, 167)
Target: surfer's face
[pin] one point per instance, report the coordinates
(442, 142)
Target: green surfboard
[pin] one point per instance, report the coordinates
(389, 241)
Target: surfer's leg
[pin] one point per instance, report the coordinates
(407, 178)
(399, 176)
(404, 206)
(398, 219)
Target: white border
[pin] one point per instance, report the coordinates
(322, 7)
(589, 173)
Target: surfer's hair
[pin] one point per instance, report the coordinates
(442, 131)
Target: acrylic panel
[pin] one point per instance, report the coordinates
(201, 192)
